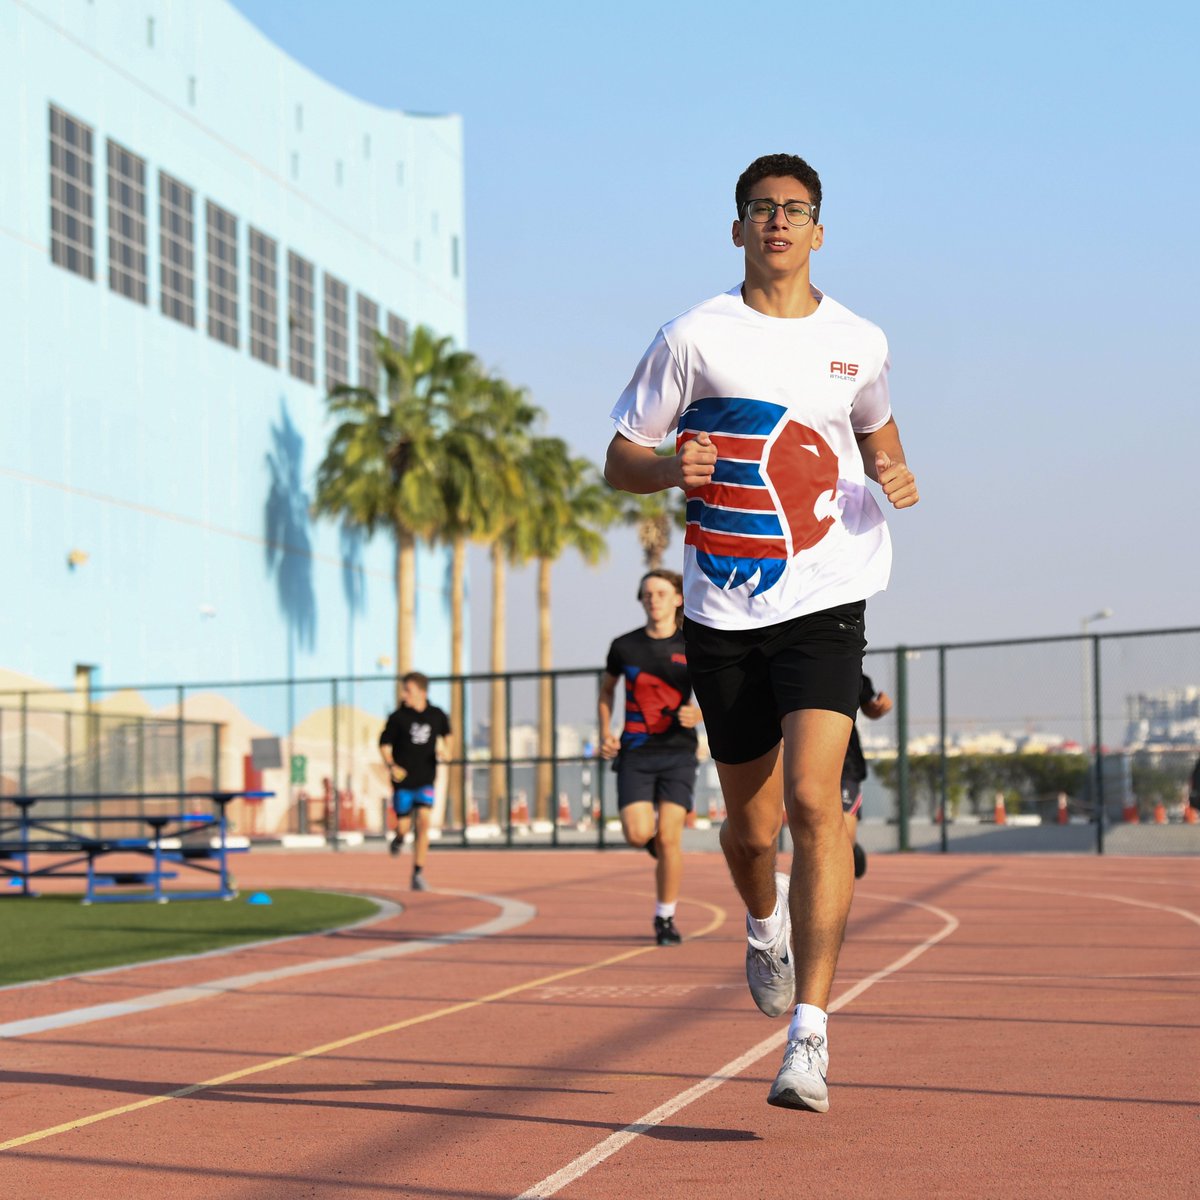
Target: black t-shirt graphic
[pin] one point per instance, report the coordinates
(656, 685)
(413, 737)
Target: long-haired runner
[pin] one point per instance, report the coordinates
(655, 755)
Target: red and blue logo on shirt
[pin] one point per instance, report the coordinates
(738, 529)
(650, 706)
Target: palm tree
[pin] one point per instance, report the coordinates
(468, 483)
(567, 507)
(381, 467)
(654, 516)
(510, 417)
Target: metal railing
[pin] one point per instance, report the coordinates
(1076, 742)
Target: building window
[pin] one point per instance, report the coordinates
(368, 327)
(397, 333)
(264, 298)
(127, 268)
(221, 229)
(72, 196)
(177, 240)
(302, 348)
(337, 333)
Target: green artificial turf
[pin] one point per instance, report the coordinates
(45, 936)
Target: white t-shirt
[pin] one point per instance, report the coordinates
(787, 526)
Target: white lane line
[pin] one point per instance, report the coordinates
(513, 914)
(387, 908)
(1185, 913)
(553, 1184)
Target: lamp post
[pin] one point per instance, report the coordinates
(1088, 732)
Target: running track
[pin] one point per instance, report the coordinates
(1005, 1027)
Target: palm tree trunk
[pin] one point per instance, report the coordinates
(458, 570)
(499, 718)
(545, 773)
(406, 603)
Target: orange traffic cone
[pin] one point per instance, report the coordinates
(1160, 813)
(1191, 816)
(1130, 814)
(519, 810)
(1064, 815)
(564, 809)
(1001, 813)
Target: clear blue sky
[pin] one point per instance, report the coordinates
(1011, 192)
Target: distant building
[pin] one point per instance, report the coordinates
(198, 239)
(1170, 718)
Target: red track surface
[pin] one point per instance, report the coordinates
(1047, 1046)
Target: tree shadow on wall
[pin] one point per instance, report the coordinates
(289, 547)
(354, 584)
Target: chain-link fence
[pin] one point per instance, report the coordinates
(1076, 743)
(52, 747)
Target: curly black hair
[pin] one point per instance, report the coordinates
(783, 165)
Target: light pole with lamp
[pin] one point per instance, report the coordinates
(1089, 734)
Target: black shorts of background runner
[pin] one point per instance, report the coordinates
(747, 680)
(655, 776)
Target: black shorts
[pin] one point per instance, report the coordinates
(747, 680)
(851, 796)
(655, 776)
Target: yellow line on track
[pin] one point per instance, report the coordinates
(466, 1005)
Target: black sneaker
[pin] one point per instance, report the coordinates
(860, 861)
(395, 844)
(665, 932)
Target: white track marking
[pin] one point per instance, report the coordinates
(1186, 914)
(553, 1184)
(513, 914)
(387, 908)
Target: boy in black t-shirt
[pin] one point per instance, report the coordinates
(412, 743)
(656, 753)
(854, 770)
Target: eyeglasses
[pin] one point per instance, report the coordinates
(761, 211)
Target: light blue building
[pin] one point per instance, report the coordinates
(198, 238)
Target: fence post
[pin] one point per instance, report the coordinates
(943, 790)
(902, 745)
(24, 773)
(601, 765)
(508, 763)
(337, 795)
(180, 763)
(1098, 757)
(553, 758)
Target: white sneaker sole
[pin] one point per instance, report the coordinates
(790, 1098)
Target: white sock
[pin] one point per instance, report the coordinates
(807, 1020)
(767, 929)
(664, 910)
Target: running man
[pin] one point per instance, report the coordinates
(778, 397)
(656, 753)
(854, 769)
(412, 743)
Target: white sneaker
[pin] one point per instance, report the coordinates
(770, 971)
(801, 1082)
